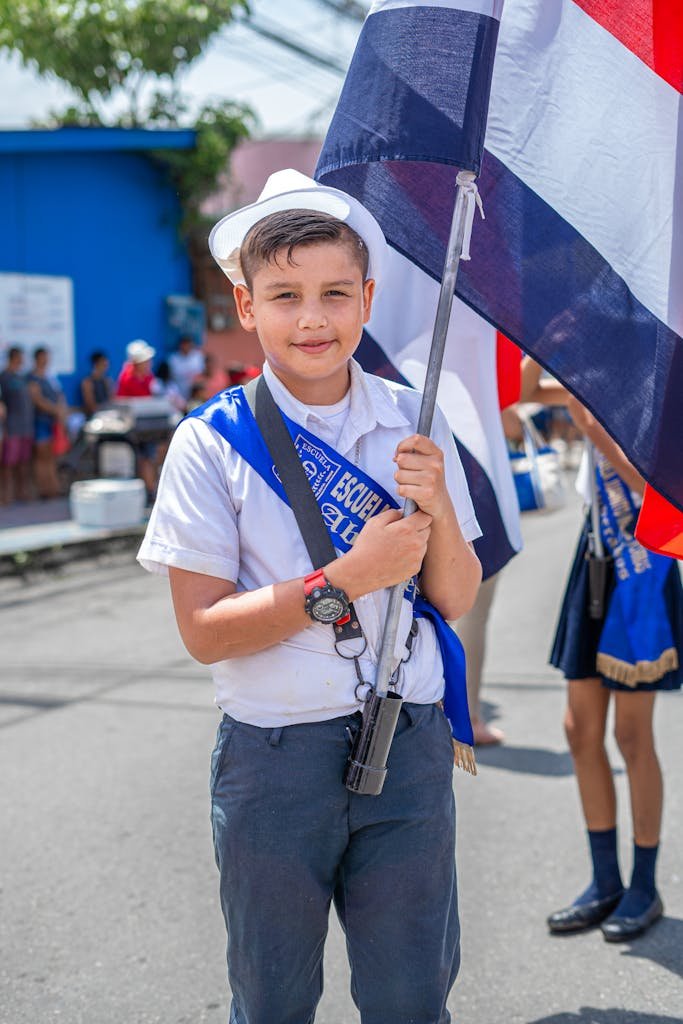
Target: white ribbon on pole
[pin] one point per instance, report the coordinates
(467, 183)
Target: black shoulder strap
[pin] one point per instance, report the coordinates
(297, 488)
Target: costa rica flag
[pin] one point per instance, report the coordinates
(580, 258)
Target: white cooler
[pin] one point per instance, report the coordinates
(114, 503)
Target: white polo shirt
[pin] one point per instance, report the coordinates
(215, 514)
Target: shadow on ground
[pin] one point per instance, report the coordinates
(613, 1015)
(528, 760)
(662, 945)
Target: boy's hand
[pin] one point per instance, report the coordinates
(420, 475)
(388, 550)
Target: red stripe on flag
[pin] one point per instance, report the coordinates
(651, 29)
(660, 525)
(508, 370)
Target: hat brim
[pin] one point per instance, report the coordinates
(143, 356)
(228, 234)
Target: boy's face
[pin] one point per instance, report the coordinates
(309, 317)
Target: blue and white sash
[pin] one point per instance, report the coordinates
(636, 644)
(347, 497)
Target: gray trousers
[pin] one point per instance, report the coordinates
(290, 839)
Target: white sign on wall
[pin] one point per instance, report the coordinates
(38, 310)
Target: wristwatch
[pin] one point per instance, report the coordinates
(322, 601)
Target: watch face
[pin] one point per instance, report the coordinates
(328, 609)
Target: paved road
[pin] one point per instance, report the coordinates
(108, 909)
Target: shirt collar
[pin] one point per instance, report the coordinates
(372, 403)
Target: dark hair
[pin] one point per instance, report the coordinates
(288, 229)
(96, 356)
(14, 351)
(164, 371)
(40, 351)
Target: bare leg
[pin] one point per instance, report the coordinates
(23, 481)
(585, 721)
(640, 906)
(45, 468)
(5, 484)
(148, 472)
(471, 629)
(635, 738)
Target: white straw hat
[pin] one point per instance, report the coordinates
(139, 351)
(291, 190)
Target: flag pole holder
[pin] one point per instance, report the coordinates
(366, 768)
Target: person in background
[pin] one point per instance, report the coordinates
(17, 449)
(471, 628)
(169, 389)
(50, 411)
(240, 374)
(97, 389)
(198, 395)
(186, 363)
(624, 657)
(3, 418)
(136, 380)
(213, 377)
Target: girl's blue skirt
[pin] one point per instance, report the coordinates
(575, 647)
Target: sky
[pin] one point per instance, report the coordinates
(290, 95)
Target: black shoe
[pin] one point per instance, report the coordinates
(579, 917)
(621, 929)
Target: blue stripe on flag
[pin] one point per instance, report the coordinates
(419, 65)
(413, 203)
(493, 549)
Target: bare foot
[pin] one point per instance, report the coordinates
(486, 735)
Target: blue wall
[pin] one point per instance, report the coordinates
(109, 221)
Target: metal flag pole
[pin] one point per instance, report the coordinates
(595, 502)
(597, 561)
(366, 769)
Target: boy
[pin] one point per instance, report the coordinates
(289, 837)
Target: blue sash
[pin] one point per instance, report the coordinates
(347, 497)
(636, 644)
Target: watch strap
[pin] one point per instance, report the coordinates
(317, 578)
(297, 488)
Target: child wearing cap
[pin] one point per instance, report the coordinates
(289, 837)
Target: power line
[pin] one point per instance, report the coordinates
(275, 61)
(348, 8)
(272, 32)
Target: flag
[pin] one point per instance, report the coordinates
(411, 113)
(660, 525)
(580, 259)
(396, 345)
(508, 371)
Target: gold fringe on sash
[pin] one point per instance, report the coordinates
(463, 757)
(642, 672)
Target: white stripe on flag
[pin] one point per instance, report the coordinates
(468, 393)
(593, 130)
(491, 8)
